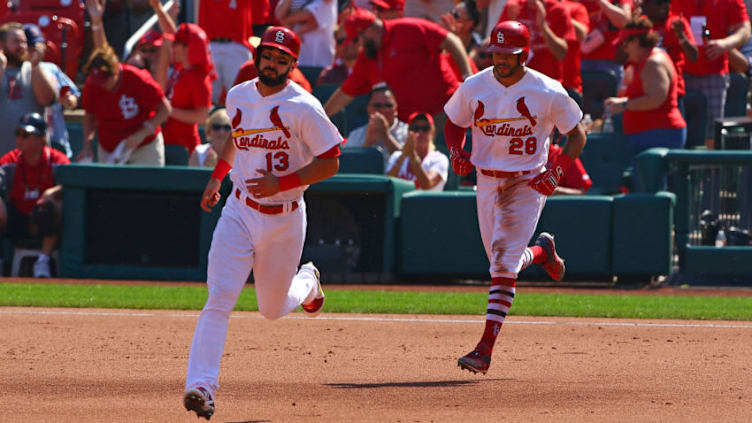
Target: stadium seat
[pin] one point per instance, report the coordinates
(695, 105)
(605, 157)
(311, 73)
(71, 9)
(65, 34)
(736, 95)
(362, 160)
(176, 155)
(355, 113)
(322, 92)
(596, 87)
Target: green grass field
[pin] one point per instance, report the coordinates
(388, 302)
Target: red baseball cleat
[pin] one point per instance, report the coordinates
(314, 307)
(477, 361)
(554, 265)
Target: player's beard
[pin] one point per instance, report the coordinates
(506, 74)
(370, 49)
(273, 81)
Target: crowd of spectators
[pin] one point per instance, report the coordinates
(406, 57)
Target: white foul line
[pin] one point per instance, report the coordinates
(381, 319)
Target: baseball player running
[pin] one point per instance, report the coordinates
(282, 142)
(512, 111)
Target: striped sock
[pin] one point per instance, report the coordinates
(533, 255)
(500, 298)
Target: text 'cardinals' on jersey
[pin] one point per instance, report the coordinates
(272, 137)
(512, 125)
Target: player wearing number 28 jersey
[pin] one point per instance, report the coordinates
(512, 111)
(282, 142)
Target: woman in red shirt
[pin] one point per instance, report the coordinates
(188, 85)
(651, 117)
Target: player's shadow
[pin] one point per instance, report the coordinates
(253, 421)
(427, 384)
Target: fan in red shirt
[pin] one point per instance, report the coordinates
(229, 25)
(34, 201)
(571, 76)
(406, 54)
(598, 48)
(550, 29)
(717, 26)
(676, 37)
(125, 106)
(188, 87)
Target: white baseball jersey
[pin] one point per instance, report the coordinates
(511, 125)
(435, 161)
(280, 133)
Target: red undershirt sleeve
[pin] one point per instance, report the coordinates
(454, 135)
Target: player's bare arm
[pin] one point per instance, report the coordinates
(268, 184)
(337, 102)
(576, 140)
(453, 45)
(211, 195)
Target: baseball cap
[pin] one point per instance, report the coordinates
(625, 33)
(33, 34)
(33, 123)
(358, 21)
(397, 5)
(152, 37)
(422, 115)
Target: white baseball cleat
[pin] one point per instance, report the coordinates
(313, 308)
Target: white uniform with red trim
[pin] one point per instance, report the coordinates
(510, 128)
(281, 133)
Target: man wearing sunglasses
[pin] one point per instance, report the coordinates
(383, 130)
(419, 161)
(282, 142)
(34, 201)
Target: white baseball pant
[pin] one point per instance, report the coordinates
(246, 239)
(508, 212)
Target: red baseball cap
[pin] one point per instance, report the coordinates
(423, 115)
(625, 33)
(397, 5)
(151, 37)
(358, 21)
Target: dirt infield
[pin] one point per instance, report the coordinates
(86, 365)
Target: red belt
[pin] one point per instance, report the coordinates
(263, 208)
(502, 174)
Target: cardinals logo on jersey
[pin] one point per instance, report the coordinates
(277, 121)
(504, 127)
(522, 108)
(243, 140)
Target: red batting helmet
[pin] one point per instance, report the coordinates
(510, 37)
(281, 38)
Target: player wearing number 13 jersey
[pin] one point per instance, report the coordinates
(512, 110)
(282, 142)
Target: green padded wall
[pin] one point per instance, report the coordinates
(440, 234)
(643, 234)
(581, 226)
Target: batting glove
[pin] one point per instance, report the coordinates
(460, 161)
(546, 182)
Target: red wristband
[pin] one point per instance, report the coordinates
(221, 170)
(289, 181)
